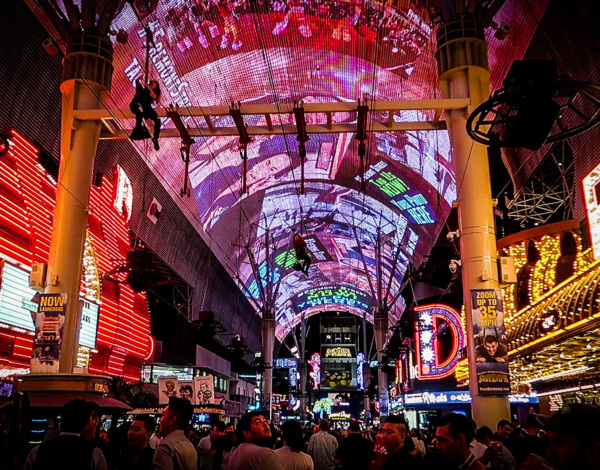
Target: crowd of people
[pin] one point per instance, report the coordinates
(567, 440)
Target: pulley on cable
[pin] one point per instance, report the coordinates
(302, 139)
(236, 114)
(186, 143)
(361, 136)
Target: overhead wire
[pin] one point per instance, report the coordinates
(148, 162)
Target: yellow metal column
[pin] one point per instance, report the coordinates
(268, 344)
(380, 330)
(87, 73)
(462, 60)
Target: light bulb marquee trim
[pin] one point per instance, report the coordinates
(431, 318)
(123, 338)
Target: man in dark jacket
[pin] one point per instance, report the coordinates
(139, 454)
(354, 452)
(69, 451)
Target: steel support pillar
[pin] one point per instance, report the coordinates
(462, 60)
(380, 328)
(86, 81)
(268, 344)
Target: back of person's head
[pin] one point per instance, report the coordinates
(292, 435)
(354, 426)
(502, 423)
(75, 415)
(244, 424)
(221, 426)
(323, 425)
(183, 411)
(457, 425)
(484, 432)
(398, 421)
(149, 422)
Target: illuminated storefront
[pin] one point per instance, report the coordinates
(114, 337)
(554, 312)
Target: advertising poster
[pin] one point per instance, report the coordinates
(167, 387)
(187, 390)
(49, 325)
(491, 351)
(205, 389)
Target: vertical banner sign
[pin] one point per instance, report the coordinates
(187, 390)
(167, 388)
(489, 337)
(49, 325)
(205, 389)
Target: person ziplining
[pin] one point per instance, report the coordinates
(147, 92)
(303, 258)
(141, 107)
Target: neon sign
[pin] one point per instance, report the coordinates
(315, 373)
(360, 374)
(448, 398)
(332, 295)
(117, 322)
(416, 206)
(390, 184)
(338, 352)
(432, 318)
(591, 195)
(285, 363)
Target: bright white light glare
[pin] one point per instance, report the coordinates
(578, 370)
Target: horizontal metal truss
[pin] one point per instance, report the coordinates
(548, 191)
(204, 124)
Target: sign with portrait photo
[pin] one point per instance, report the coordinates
(187, 390)
(167, 387)
(489, 337)
(205, 389)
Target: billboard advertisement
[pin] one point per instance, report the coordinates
(489, 337)
(49, 325)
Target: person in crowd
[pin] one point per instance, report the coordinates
(69, 451)
(395, 456)
(156, 439)
(416, 437)
(253, 430)
(139, 454)
(453, 437)
(229, 428)
(354, 452)
(141, 106)
(203, 450)
(495, 455)
(231, 442)
(504, 430)
(322, 447)
(175, 451)
(530, 442)
(291, 454)
(573, 440)
(217, 446)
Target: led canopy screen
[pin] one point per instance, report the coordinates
(217, 52)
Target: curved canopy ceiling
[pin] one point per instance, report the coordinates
(211, 52)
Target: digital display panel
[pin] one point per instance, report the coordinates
(16, 297)
(217, 53)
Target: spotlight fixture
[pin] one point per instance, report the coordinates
(121, 35)
(535, 106)
(50, 46)
(4, 145)
(502, 31)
